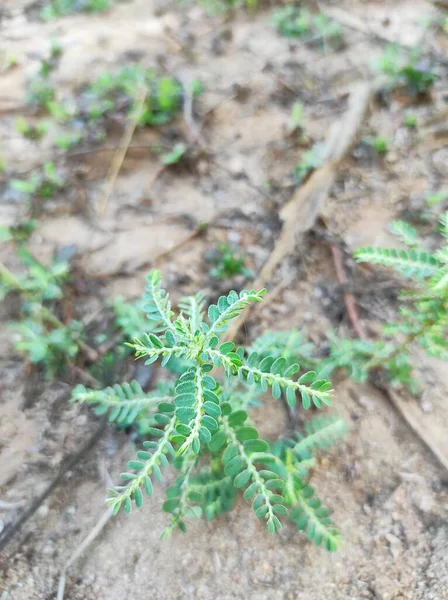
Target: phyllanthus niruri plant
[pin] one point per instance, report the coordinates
(423, 311)
(200, 423)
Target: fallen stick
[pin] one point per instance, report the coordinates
(97, 529)
(119, 156)
(349, 299)
(300, 213)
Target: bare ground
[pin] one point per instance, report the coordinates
(388, 493)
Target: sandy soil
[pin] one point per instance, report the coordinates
(388, 493)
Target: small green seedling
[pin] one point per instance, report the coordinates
(229, 261)
(18, 233)
(31, 131)
(410, 120)
(309, 161)
(40, 90)
(296, 119)
(68, 140)
(112, 92)
(42, 337)
(48, 348)
(435, 198)
(201, 423)
(220, 6)
(63, 8)
(296, 22)
(176, 154)
(44, 183)
(407, 68)
(379, 144)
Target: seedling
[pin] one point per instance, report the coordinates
(17, 233)
(42, 337)
(309, 161)
(110, 92)
(410, 120)
(201, 423)
(31, 131)
(379, 144)
(176, 154)
(41, 92)
(293, 21)
(62, 8)
(229, 261)
(219, 6)
(434, 198)
(296, 119)
(49, 348)
(408, 69)
(68, 140)
(44, 183)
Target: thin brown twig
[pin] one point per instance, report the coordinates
(299, 215)
(95, 531)
(349, 299)
(118, 158)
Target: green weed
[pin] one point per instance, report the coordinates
(407, 68)
(228, 261)
(296, 22)
(201, 425)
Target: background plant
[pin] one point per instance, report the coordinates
(296, 22)
(41, 336)
(228, 261)
(202, 427)
(423, 311)
(62, 8)
(407, 68)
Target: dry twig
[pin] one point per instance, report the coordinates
(97, 529)
(349, 299)
(300, 213)
(120, 153)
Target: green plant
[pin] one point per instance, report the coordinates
(229, 261)
(163, 100)
(433, 198)
(220, 6)
(379, 144)
(309, 161)
(294, 21)
(407, 68)
(42, 337)
(175, 155)
(44, 183)
(423, 312)
(130, 318)
(202, 427)
(50, 348)
(410, 120)
(31, 131)
(68, 140)
(62, 8)
(18, 233)
(40, 90)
